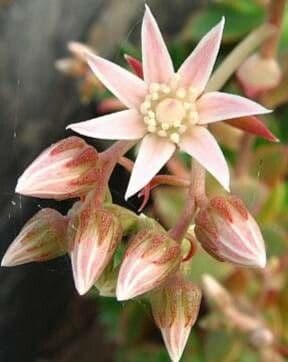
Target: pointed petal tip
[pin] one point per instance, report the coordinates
(5, 261)
(20, 188)
(147, 8)
(122, 295)
(261, 261)
(82, 290)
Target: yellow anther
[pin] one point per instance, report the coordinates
(151, 128)
(154, 96)
(145, 107)
(151, 114)
(165, 89)
(152, 122)
(165, 125)
(187, 106)
(154, 87)
(162, 133)
(174, 137)
(177, 123)
(181, 93)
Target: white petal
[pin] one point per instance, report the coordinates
(157, 63)
(201, 145)
(154, 152)
(127, 87)
(197, 68)
(124, 125)
(217, 106)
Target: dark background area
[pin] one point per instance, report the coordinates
(41, 316)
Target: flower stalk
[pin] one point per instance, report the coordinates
(276, 11)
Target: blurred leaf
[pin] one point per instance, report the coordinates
(274, 203)
(219, 345)
(283, 45)
(241, 17)
(143, 353)
(275, 238)
(251, 191)
(169, 202)
(269, 163)
(202, 263)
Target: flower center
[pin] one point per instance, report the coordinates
(169, 110)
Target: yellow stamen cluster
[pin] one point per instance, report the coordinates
(169, 110)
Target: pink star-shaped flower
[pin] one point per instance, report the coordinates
(168, 109)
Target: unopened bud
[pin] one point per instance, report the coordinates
(93, 236)
(42, 238)
(228, 232)
(175, 309)
(64, 170)
(258, 75)
(149, 259)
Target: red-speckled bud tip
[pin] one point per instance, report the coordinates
(228, 232)
(175, 309)
(93, 236)
(42, 238)
(150, 258)
(66, 169)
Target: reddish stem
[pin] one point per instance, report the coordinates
(275, 17)
(196, 195)
(109, 159)
(193, 247)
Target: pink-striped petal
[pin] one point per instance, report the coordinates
(127, 87)
(197, 68)
(154, 152)
(124, 125)
(157, 63)
(201, 145)
(217, 106)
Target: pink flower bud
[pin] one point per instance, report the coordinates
(42, 238)
(258, 75)
(228, 232)
(93, 236)
(64, 170)
(150, 258)
(175, 308)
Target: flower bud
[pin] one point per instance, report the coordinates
(228, 232)
(64, 170)
(258, 74)
(149, 259)
(175, 308)
(93, 235)
(42, 238)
